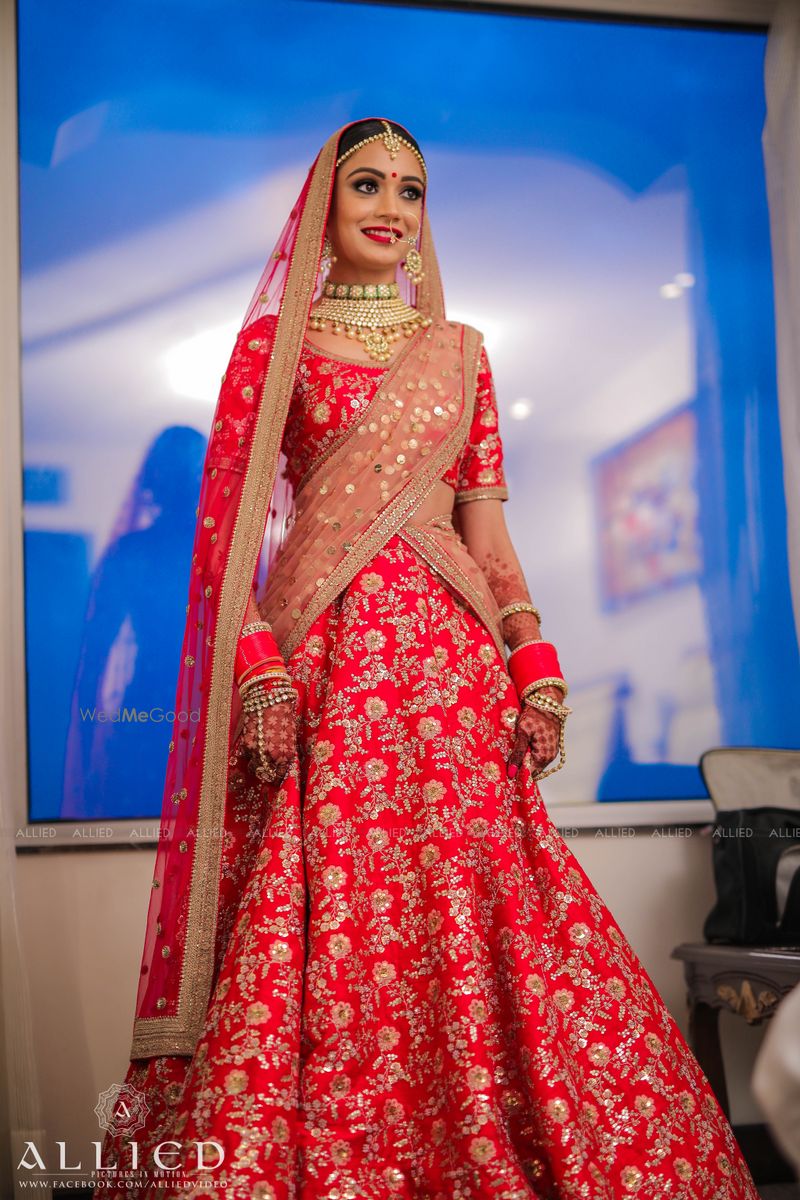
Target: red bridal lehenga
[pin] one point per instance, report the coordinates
(462, 1016)
(385, 977)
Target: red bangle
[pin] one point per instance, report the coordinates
(275, 661)
(253, 649)
(529, 663)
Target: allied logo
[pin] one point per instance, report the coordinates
(122, 1108)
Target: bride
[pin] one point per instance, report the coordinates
(372, 967)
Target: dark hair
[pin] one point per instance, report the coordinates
(368, 128)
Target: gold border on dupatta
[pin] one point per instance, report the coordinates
(179, 1035)
(430, 295)
(153, 1036)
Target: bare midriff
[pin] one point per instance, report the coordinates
(439, 502)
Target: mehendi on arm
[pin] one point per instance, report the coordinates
(481, 489)
(483, 529)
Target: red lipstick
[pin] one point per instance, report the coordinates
(381, 233)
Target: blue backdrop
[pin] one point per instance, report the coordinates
(598, 200)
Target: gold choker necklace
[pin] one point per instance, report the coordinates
(371, 312)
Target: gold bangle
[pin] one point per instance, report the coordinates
(276, 673)
(550, 681)
(522, 645)
(519, 606)
(258, 700)
(279, 669)
(255, 627)
(261, 665)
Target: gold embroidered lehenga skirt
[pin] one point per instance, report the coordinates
(461, 1015)
(419, 993)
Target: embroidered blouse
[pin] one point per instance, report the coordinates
(332, 391)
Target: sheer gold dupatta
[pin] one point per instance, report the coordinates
(373, 479)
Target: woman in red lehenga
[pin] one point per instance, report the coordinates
(372, 967)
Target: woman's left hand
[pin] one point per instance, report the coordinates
(538, 732)
(278, 737)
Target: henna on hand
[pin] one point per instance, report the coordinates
(538, 732)
(278, 722)
(280, 735)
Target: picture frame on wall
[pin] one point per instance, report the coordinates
(647, 511)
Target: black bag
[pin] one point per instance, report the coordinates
(756, 846)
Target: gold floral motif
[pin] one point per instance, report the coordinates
(631, 1179)
(683, 1169)
(558, 1109)
(235, 1082)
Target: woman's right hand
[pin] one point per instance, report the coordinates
(279, 738)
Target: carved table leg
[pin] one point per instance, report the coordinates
(704, 1041)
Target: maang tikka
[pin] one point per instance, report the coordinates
(391, 140)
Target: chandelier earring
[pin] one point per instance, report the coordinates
(413, 260)
(328, 257)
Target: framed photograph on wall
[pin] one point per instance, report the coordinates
(648, 535)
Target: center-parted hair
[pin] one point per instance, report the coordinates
(374, 127)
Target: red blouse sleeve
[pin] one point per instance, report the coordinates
(236, 411)
(480, 467)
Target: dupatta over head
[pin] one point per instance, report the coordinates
(254, 532)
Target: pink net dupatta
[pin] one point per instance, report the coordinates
(245, 509)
